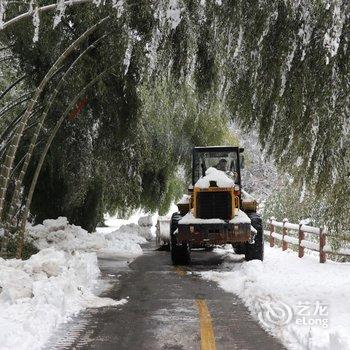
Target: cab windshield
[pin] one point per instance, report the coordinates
(224, 161)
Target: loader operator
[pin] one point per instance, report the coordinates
(222, 165)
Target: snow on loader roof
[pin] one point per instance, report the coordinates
(213, 174)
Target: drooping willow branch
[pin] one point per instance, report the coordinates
(10, 155)
(43, 156)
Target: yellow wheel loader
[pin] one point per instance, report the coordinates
(216, 210)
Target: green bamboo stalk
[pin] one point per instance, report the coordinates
(34, 138)
(7, 134)
(11, 86)
(10, 155)
(42, 158)
(23, 98)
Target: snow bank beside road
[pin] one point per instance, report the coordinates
(302, 302)
(39, 293)
(123, 242)
(145, 220)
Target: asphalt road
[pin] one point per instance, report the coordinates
(167, 309)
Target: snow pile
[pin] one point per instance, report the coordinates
(213, 174)
(185, 199)
(124, 242)
(240, 218)
(190, 219)
(113, 223)
(145, 221)
(146, 225)
(300, 301)
(39, 293)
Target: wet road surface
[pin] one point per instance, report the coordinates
(167, 309)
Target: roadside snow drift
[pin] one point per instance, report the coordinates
(303, 303)
(59, 281)
(39, 293)
(122, 243)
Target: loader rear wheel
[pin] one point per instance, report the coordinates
(180, 254)
(255, 250)
(239, 248)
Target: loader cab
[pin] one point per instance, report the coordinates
(206, 157)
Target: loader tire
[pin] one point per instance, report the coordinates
(255, 251)
(180, 252)
(239, 248)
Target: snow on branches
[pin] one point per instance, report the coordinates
(3, 4)
(332, 36)
(60, 10)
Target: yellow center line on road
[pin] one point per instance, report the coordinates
(180, 271)
(206, 326)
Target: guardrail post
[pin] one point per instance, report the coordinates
(284, 232)
(301, 237)
(272, 230)
(322, 244)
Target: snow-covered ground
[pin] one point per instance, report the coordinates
(122, 242)
(138, 218)
(62, 279)
(300, 301)
(39, 293)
